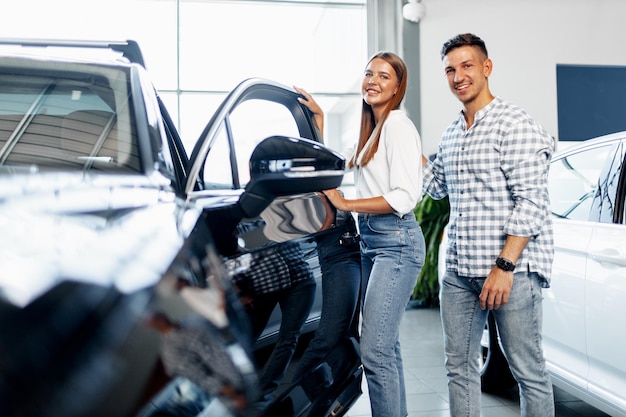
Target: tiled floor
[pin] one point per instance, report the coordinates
(427, 393)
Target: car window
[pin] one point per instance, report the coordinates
(67, 122)
(573, 182)
(248, 124)
(255, 110)
(604, 204)
(251, 122)
(217, 168)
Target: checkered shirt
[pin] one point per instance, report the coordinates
(496, 175)
(273, 269)
(197, 351)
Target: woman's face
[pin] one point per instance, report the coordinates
(380, 83)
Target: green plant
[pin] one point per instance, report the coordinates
(433, 216)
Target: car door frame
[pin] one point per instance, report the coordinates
(252, 88)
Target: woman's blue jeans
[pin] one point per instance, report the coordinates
(519, 327)
(393, 251)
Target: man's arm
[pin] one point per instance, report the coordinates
(499, 282)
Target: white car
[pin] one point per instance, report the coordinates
(583, 332)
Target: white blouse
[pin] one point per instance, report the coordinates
(395, 171)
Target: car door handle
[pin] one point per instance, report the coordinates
(610, 256)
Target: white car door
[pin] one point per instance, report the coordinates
(605, 292)
(606, 310)
(564, 317)
(572, 184)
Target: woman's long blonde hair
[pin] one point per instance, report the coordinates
(368, 124)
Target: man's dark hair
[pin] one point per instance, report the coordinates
(464, 39)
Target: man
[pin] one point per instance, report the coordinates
(493, 163)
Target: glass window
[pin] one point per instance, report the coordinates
(49, 122)
(251, 122)
(217, 167)
(573, 182)
(194, 111)
(604, 202)
(248, 124)
(317, 46)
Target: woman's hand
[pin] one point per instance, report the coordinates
(336, 199)
(373, 205)
(318, 113)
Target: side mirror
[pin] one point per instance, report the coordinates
(282, 166)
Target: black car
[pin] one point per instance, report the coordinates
(130, 272)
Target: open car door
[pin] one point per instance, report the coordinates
(257, 172)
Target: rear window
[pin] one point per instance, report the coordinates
(67, 121)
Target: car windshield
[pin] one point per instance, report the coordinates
(54, 118)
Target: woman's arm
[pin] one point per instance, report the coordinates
(372, 205)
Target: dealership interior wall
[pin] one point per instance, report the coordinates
(526, 41)
(197, 50)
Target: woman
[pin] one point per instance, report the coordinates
(387, 169)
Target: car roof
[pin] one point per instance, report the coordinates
(125, 51)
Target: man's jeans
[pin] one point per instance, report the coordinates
(393, 251)
(519, 326)
(341, 281)
(295, 305)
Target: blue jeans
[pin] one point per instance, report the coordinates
(519, 327)
(341, 280)
(392, 251)
(295, 305)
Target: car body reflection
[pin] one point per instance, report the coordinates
(295, 271)
(301, 264)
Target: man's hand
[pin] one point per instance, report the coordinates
(497, 289)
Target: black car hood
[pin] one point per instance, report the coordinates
(92, 230)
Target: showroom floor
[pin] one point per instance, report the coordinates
(422, 350)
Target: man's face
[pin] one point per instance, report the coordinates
(467, 71)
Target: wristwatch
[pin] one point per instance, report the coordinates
(505, 264)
